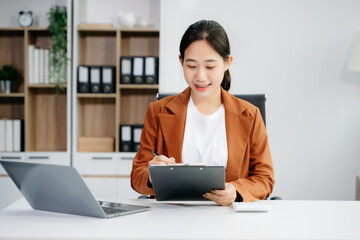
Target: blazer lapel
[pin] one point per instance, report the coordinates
(172, 124)
(238, 127)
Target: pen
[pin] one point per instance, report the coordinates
(154, 153)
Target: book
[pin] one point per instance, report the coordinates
(16, 135)
(41, 66)
(2, 135)
(46, 65)
(31, 49)
(36, 66)
(9, 135)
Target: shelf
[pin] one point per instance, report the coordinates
(17, 29)
(46, 85)
(40, 29)
(140, 30)
(138, 86)
(12, 95)
(96, 95)
(100, 29)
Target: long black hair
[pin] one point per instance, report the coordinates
(215, 35)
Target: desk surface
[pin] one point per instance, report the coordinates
(286, 220)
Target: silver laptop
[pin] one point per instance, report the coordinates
(61, 189)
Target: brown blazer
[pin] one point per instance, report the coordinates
(249, 166)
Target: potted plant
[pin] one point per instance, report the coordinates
(57, 17)
(8, 73)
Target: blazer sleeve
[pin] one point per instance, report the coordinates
(260, 180)
(140, 173)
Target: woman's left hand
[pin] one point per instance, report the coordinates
(223, 197)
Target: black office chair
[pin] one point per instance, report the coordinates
(255, 99)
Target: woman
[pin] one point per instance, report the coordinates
(206, 123)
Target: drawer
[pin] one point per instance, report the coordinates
(105, 164)
(57, 158)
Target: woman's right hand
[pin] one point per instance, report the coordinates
(161, 160)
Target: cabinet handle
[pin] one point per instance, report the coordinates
(126, 158)
(38, 157)
(101, 158)
(10, 157)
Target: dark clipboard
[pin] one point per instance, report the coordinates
(185, 183)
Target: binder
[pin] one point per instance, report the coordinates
(136, 131)
(95, 79)
(125, 138)
(108, 79)
(151, 70)
(9, 135)
(125, 70)
(2, 135)
(83, 79)
(138, 70)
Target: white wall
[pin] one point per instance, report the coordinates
(100, 11)
(8, 18)
(296, 52)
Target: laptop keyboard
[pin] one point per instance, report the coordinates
(108, 210)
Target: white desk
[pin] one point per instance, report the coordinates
(287, 220)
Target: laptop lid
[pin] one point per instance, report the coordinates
(61, 189)
(185, 183)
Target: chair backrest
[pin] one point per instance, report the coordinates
(256, 99)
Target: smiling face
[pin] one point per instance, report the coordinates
(204, 69)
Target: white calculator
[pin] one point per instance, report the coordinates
(258, 206)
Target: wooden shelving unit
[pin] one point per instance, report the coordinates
(100, 115)
(44, 113)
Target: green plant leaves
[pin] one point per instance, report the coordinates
(57, 17)
(9, 72)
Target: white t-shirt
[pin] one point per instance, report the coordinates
(205, 137)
